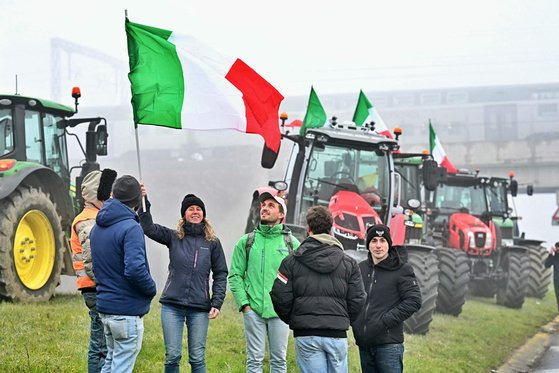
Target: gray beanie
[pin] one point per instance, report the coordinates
(127, 190)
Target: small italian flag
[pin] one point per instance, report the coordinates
(315, 117)
(179, 82)
(437, 151)
(365, 112)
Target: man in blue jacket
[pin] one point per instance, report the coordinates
(124, 284)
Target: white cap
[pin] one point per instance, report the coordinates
(267, 195)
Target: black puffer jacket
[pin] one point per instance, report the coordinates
(318, 290)
(393, 295)
(190, 261)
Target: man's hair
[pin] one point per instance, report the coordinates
(319, 220)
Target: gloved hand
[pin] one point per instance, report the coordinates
(551, 250)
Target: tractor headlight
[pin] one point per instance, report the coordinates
(488, 240)
(347, 235)
(471, 240)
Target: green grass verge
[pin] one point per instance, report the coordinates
(53, 337)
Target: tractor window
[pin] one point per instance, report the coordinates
(451, 199)
(6, 132)
(497, 198)
(55, 146)
(340, 168)
(33, 140)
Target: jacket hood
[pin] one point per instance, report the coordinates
(89, 187)
(392, 262)
(114, 211)
(321, 253)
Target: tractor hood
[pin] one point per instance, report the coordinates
(352, 214)
(470, 234)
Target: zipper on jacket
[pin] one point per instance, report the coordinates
(207, 289)
(368, 303)
(195, 258)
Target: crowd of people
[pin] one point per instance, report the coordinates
(278, 283)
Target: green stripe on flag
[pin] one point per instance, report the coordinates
(315, 116)
(156, 76)
(362, 109)
(432, 138)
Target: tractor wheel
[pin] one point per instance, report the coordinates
(454, 275)
(483, 288)
(253, 215)
(427, 274)
(512, 290)
(539, 277)
(31, 246)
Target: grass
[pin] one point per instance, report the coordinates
(53, 337)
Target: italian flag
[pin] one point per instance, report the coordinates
(179, 82)
(315, 117)
(437, 151)
(365, 112)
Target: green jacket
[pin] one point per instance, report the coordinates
(251, 284)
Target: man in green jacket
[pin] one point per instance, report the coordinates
(254, 266)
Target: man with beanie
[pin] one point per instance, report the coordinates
(254, 265)
(319, 293)
(393, 295)
(81, 259)
(124, 283)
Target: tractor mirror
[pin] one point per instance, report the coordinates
(513, 187)
(101, 137)
(432, 174)
(269, 157)
(530, 189)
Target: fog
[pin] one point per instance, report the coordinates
(337, 47)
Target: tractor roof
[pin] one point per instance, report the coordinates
(349, 135)
(40, 103)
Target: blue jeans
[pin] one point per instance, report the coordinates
(124, 341)
(173, 319)
(97, 346)
(321, 354)
(387, 358)
(256, 329)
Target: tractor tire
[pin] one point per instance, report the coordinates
(427, 274)
(31, 246)
(454, 275)
(512, 290)
(483, 288)
(539, 277)
(253, 215)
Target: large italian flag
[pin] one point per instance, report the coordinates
(437, 151)
(179, 82)
(365, 112)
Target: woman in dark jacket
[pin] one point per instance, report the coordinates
(194, 251)
(393, 295)
(553, 260)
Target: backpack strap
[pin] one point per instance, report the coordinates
(285, 232)
(249, 243)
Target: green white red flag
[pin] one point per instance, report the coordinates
(179, 82)
(437, 151)
(365, 112)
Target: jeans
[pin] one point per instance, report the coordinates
(97, 346)
(124, 341)
(387, 358)
(173, 319)
(256, 329)
(321, 354)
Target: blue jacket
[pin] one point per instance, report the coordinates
(190, 261)
(118, 249)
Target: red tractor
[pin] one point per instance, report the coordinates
(351, 170)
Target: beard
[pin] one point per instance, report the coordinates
(269, 221)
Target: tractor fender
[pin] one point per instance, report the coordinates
(518, 249)
(527, 242)
(47, 180)
(424, 248)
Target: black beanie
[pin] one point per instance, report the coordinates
(190, 200)
(378, 230)
(106, 181)
(127, 190)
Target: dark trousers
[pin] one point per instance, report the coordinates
(387, 358)
(97, 345)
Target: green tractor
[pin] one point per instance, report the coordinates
(36, 204)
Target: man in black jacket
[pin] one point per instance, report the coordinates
(393, 295)
(319, 292)
(553, 260)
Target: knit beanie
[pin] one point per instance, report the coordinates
(192, 200)
(378, 230)
(127, 190)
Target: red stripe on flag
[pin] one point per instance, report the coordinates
(449, 166)
(261, 100)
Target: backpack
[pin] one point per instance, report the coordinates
(286, 233)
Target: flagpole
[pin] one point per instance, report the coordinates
(137, 145)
